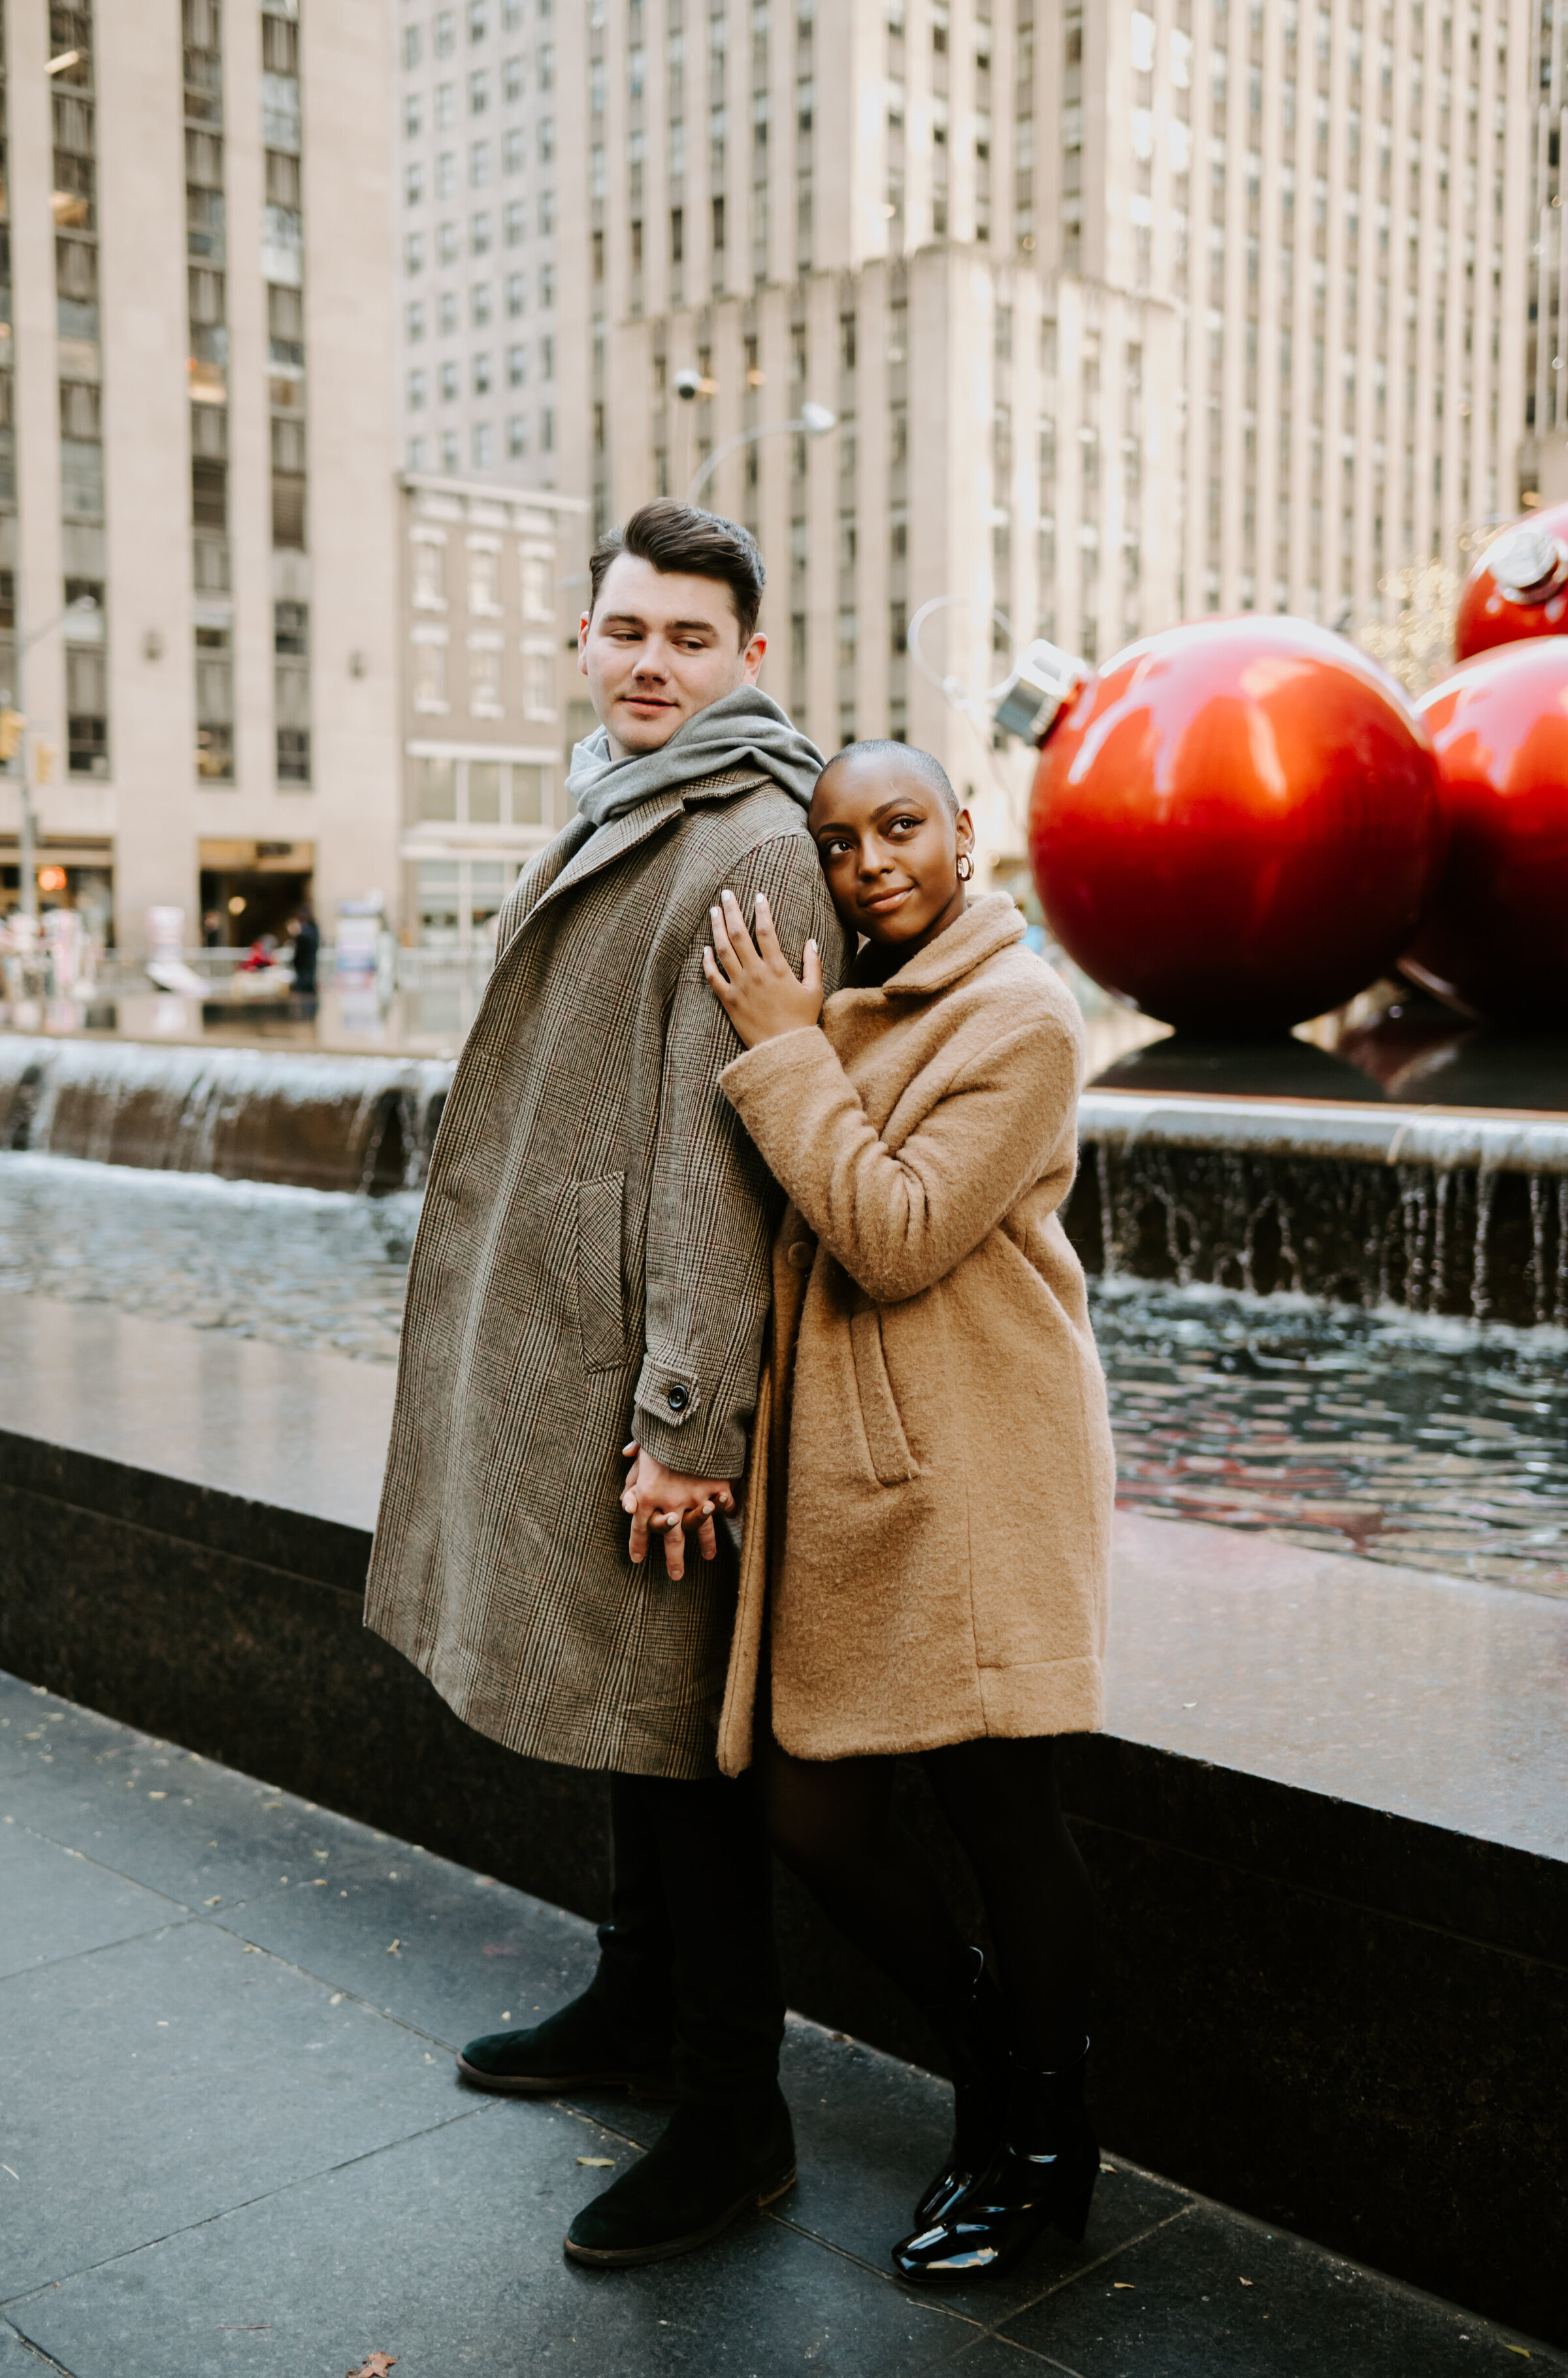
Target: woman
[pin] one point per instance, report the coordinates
(925, 1567)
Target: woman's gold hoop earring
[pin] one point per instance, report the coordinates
(966, 865)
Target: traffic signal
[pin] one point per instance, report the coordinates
(43, 763)
(11, 726)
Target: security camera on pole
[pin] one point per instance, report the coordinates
(814, 420)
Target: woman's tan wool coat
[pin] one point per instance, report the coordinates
(928, 1542)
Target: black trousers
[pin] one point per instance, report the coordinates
(687, 1961)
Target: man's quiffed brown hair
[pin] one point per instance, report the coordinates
(682, 541)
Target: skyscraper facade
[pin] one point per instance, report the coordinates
(1125, 314)
(199, 515)
(489, 207)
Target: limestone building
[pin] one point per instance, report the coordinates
(200, 451)
(1127, 313)
(481, 725)
(491, 237)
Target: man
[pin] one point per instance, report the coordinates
(593, 1263)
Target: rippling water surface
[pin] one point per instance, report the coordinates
(1439, 1444)
(298, 1266)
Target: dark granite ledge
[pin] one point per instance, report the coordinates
(1328, 1821)
(1496, 1893)
(295, 1543)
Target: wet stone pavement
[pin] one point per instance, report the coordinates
(231, 2141)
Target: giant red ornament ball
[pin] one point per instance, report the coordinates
(1494, 941)
(1518, 588)
(1236, 824)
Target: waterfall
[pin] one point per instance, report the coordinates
(1456, 1213)
(353, 1123)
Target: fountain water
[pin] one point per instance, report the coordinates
(353, 1123)
(1456, 1213)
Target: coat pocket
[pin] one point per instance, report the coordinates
(888, 1445)
(601, 1305)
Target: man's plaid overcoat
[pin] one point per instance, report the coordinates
(593, 1263)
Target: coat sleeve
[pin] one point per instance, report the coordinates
(900, 1222)
(714, 1205)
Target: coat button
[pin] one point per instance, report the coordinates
(800, 1254)
(678, 1398)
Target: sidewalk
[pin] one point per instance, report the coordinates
(231, 2141)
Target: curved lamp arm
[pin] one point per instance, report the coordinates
(815, 421)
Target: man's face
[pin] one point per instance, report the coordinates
(658, 648)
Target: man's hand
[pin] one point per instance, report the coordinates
(753, 981)
(662, 1500)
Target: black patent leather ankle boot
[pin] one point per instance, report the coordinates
(979, 2092)
(1042, 2174)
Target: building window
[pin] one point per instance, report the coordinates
(447, 305)
(479, 234)
(414, 184)
(413, 253)
(449, 449)
(447, 243)
(537, 569)
(415, 391)
(512, 153)
(547, 212)
(291, 689)
(429, 572)
(547, 430)
(482, 375)
(517, 438)
(485, 684)
(478, 92)
(214, 707)
(482, 446)
(478, 164)
(429, 676)
(444, 33)
(511, 79)
(538, 686)
(479, 305)
(517, 295)
(449, 381)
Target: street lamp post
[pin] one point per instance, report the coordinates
(27, 838)
(815, 421)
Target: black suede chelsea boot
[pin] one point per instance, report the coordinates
(577, 2048)
(713, 2164)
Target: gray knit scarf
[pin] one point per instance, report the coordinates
(745, 729)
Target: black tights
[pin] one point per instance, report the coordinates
(832, 1822)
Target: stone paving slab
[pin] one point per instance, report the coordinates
(232, 2142)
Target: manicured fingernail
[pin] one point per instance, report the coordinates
(812, 947)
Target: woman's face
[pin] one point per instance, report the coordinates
(889, 844)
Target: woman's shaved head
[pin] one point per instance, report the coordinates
(881, 752)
